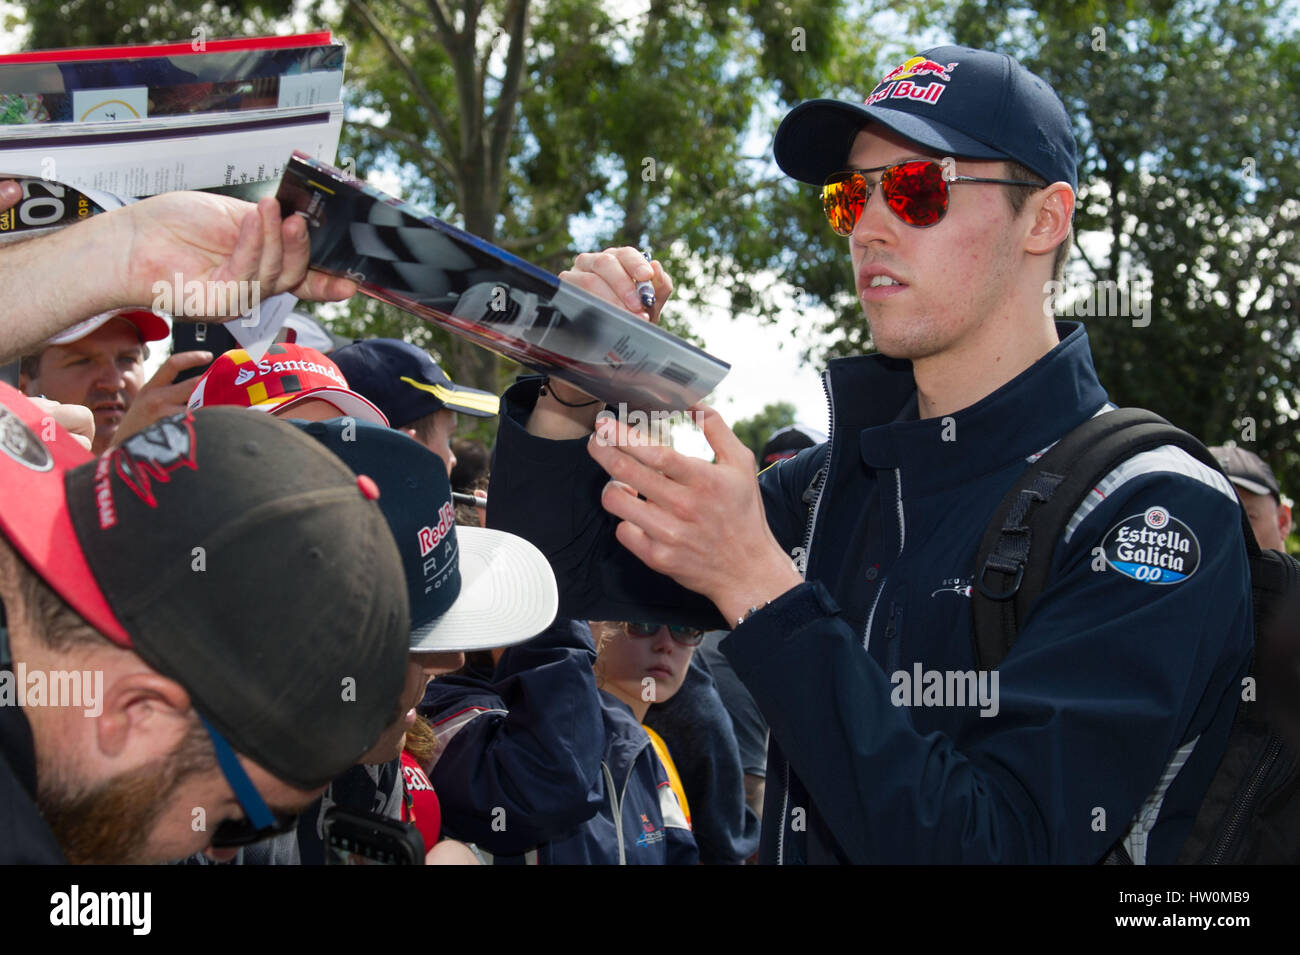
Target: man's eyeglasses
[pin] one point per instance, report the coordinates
(917, 192)
(686, 636)
(259, 821)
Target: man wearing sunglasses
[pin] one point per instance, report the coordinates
(846, 571)
(159, 662)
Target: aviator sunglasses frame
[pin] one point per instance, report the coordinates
(916, 191)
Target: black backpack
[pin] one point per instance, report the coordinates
(1251, 811)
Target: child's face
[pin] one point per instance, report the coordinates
(644, 668)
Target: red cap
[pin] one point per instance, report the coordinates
(286, 375)
(35, 454)
(150, 326)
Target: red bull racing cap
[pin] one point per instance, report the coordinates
(470, 588)
(966, 103)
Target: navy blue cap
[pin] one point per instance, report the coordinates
(470, 588)
(406, 383)
(966, 103)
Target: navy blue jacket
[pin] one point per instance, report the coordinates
(25, 839)
(1111, 710)
(538, 758)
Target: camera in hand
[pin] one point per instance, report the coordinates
(366, 838)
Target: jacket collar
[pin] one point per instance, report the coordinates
(1052, 396)
(624, 737)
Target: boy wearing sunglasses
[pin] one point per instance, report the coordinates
(644, 663)
(846, 571)
(544, 758)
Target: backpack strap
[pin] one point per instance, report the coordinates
(1010, 572)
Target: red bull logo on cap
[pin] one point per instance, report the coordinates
(899, 83)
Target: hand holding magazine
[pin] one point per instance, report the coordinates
(401, 255)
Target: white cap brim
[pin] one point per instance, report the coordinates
(507, 595)
(151, 329)
(1254, 487)
(349, 403)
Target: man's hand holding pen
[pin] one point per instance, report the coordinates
(679, 514)
(618, 276)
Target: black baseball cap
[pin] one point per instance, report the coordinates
(235, 556)
(949, 99)
(1247, 470)
(406, 383)
(469, 588)
(788, 441)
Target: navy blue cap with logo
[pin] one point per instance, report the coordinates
(406, 383)
(470, 588)
(953, 100)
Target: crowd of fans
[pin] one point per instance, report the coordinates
(275, 586)
(526, 781)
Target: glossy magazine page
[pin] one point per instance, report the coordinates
(144, 157)
(50, 92)
(401, 255)
(48, 205)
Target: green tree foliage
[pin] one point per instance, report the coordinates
(1186, 114)
(569, 126)
(755, 431)
(565, 126)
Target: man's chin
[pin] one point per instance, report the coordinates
(903, 339)
(105, 427)
(112, 823)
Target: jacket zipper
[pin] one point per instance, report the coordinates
(892, 652)
(1244, 803)
(825, 474)
(618, 812)
(616, 802)
(902, 535)
(785, 814)
(807, 558)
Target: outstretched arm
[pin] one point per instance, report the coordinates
(117, 258)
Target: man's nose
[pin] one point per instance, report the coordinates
(110, 376)
(876, 220)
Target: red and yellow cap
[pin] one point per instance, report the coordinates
(285, 376)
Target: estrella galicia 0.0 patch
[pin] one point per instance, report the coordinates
(1154, 547)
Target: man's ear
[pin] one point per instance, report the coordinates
(1053, 214)
(1284, 521)
(144, 716)
(409, 432)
